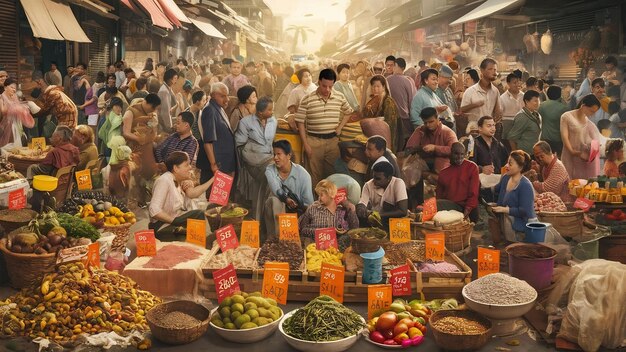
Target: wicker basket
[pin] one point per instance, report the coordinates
(457, 236)
(452, 342)
(215, 223)
(122, 235)
(568, 224)
(7, 217)
(178, 336)
(26, 269)
(365, 245)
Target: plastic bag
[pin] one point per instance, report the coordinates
(488, 181)
(412, 170)
(554, 240)
(595, 315)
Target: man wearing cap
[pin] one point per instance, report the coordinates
(426, 98)
(444, 91)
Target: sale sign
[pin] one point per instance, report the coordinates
(400, 230)
(83, 179)
(146, 243)
(250, 233)
(276, 281)
(196, 232)
(38, 143)
(342, 194)
(227, 238)
(430, 209)
(331, 281)
(17, 199)
(488, 261)
(326, 238)
(220, 191)
(401, 281)
(435, 246)
(226, 283)
(378, 299)
(288, 227)
(583, 204)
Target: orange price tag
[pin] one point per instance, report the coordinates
(146, 243)
(288, 227)
(435, 246)
(331, 282)
(488, 261)
(276, 281)
(250, 233)
(196, 232)
(83, 179)
(38, 143)
(378, 299)
(93, 255)
(400, 230)
(430, 209)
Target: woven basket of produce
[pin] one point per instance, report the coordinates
(231, 214)
(26, 269)
(568, 224)
(399, 253)
(11, 219)
(460, 330)
(369, 239)
(178, 322)
(458, 235)
(122, 235)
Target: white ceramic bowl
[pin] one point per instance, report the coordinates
(247, 335)
(499, 311)
(313, 346)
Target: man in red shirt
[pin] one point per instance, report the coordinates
(63, 154)
(458, 185)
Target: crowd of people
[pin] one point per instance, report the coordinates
(162, 135)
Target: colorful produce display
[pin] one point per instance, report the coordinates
(97, 199)
(104, 213)
(246, 311)
(459, 326)
(241, 257)
(315, 257)
(403, 324)
(75, 300)
(281, 251)
(549, 202)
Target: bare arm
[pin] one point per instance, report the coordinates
(469, 107)
(199, 190)
(127, 127)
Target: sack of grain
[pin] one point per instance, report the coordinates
(376, 126)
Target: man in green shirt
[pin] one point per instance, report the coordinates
(526, 125)
(551, 111)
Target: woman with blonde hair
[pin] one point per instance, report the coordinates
(83, 139)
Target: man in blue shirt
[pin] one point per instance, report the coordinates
(290, 186)
(426, 98)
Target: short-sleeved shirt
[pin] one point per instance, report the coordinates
(511, 105)
(476, 93)
(298, 93)
(322, 116)
(374, 196)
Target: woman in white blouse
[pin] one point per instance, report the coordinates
(172, 199)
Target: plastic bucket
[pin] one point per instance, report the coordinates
(531, 262)
(535, 232)
(373, 266)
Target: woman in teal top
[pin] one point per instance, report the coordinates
(344, 86)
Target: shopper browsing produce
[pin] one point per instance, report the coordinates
(384, 194)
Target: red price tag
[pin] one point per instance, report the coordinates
(401, 281)
(430, 209)
(331, 282)
(583, 204)
(435, 246)
(146, 243)
(221, 189)
(488, 261)
(226, 283)
(227, 238)
(17, 199)
(326, 238)
(342, 194)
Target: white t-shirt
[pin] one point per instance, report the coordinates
(511, 105)
(475, 94)
(395, 192)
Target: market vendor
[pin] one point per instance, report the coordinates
(376, 151)
(458, 185)
(290, 186)
(516, 206)
(83, 140)
(63, 154)
(172, 199)
(325, 213)
(554, 177)
(384, 194)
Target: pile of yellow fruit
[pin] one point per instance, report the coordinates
(315, 257)
(111, 217)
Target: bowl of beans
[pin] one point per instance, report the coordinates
(460, 330)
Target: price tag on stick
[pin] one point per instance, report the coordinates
(435, 246)
(400, 230)
(331, 281)
(401, 281)
(226, 283)
(378, 299)
(288, 227)
(196, 232)
(220, 191)
(227, 238)
(83, 180)
(276, 281)
(326, 238)
(146, 243)
(488, 261)
(17, 199)
(250, 233)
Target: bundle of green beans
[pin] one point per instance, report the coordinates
(323, 319)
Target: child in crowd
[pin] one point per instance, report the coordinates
(614, 154)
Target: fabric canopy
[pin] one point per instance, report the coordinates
(65, 21)
(173, 11)
(156, 14)
(40, 21)
(487, 8)
(208, 29)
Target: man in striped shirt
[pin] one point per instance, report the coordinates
(182, 140)
(319, 120)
